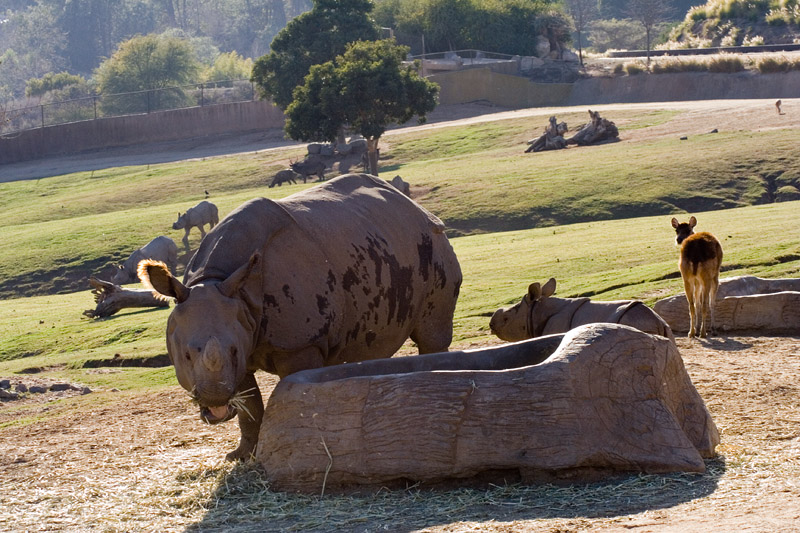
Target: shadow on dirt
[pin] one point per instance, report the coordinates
(418, 507)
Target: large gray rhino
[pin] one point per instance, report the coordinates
(341, 272)
(161, 249)
(539, 313)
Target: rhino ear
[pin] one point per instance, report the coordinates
(549, 288)
(675, 223)
(692, 222)
(231, 286)
(156, 276)
(534, 291)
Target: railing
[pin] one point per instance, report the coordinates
(133, 103)
(467, 55)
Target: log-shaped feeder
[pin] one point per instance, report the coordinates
(598, 400)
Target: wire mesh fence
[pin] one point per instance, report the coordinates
(133, 103)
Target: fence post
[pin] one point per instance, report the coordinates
(42, 106)
(202, 95)
(94, 101)
(148, 100)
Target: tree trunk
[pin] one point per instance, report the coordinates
(111, 298)
(372, 156)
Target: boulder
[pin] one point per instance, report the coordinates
(598, 400)
(744, 303)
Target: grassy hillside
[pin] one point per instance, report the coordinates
(58, 231)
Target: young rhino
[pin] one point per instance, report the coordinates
(159, 249)
(196, 217)
(539, 313)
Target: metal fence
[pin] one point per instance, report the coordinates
(134, 103)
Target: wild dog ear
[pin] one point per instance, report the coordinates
(156, 276)
(675, 223)
(692, 222)
(534, 291)
(231, 286)
(549, 288)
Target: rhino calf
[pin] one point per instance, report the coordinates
(345, 271)
(159, 249)
(196, 217)
(284, 176)
(539, 313)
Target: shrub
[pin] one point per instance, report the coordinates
(755, 40)
(634, 68)
(726, 64)
(619, 68)
(768, 65)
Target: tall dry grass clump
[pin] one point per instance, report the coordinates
(726, 64)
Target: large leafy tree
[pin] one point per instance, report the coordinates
(366, 89)
(142, 64)
(310, 39)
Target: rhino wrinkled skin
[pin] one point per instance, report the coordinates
(342, 272)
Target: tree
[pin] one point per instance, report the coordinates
(648, 13)
(142, 64)
(582, 12)
(311, 39)
(367, 88)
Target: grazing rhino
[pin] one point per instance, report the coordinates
(284, 176)
(160, 249)
(311, 166)
(539, 313)
(196, 217)
(341, 272)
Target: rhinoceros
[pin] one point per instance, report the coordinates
(539, 313)
(345, 271)
(160, 249)
(284, 176)
(310, 166)
(196, 217)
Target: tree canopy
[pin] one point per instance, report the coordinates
(144, 63)
(310, 39)
(366, 89)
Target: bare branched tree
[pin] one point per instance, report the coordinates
(582, 12)
(649, 13)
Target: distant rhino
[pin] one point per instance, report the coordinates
(160, 249)
(341, 272)
(196, 217)
(539, 313)
(284, 176)
(311, 166)
(401, 185)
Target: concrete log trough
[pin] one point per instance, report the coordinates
(601, 399)
(744, 303)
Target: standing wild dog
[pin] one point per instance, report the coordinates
(701, 258)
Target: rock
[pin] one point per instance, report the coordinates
(21, 387)
(56, 387)
(5, 383)
(6, 394)
(542, 46)
(37, 389)
(86, 390)
(607, 399)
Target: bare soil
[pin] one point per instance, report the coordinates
(119, 461)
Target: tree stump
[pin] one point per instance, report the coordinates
(597, 130)
(111, 298)
(607, 399)
(744, 303)
(552, 139)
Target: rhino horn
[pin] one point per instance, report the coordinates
(211, 357)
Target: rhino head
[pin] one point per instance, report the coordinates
(517, 323)
(180, 223)
(210, 334)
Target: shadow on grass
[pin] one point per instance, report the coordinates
(243, 501)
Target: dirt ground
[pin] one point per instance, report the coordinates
(116, 461)
(147, 463)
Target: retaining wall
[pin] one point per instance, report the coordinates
(139, 129)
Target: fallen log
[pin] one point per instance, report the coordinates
(111, 298)
(606, 399)
(551, 139)
(597, 130)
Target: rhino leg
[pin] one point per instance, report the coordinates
(433, 335)
(249, 419)
(185, 239)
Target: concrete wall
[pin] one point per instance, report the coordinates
(138, 129)
(500, 89)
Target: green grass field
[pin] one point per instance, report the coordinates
(598, 221)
